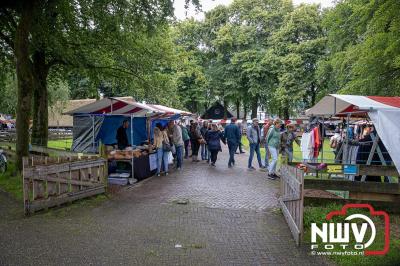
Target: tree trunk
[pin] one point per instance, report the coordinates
(225, 109)
(286, 114)
(25, 81)
(313, 94)
(254, 107)
(237, 108)
(40, 100)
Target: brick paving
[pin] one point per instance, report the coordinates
(230, 218)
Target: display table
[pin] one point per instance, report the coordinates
(144, 166)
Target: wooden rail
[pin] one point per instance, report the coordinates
(374, 170)
(49, 182)
(352, 186)
(380, 195)
(10, 136)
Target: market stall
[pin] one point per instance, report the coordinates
(382, 112)
(97, 123)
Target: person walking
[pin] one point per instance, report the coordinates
(190, 136)
(254, 137)
(273, 141)
(286, 142)
(203, 146)
(177, 141)
(265, 130)
(214, 138)
(161, 143)
(195, 139)
(209, 152)
(232, 136)
(240, 125)
(186, 139)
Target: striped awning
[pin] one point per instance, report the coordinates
(169, 110)
(126, 106)
(116, 106)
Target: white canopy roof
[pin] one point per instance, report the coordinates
(383, 111)
(336, 104)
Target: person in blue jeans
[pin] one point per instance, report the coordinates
(160, 137)
(265, 130)
(177, 140)
(254, 137)
(232, 136)
(273, 141)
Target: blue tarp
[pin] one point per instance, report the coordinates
(163, 122)
(108, 130)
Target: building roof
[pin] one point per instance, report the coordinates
(216, 111)
(57, 118)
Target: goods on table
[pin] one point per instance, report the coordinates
(129, 153)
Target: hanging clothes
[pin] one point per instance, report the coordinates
(317, 141)
(307, 146)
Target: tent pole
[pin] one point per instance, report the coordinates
(93, 132)
(131, 129)
(132, 159)
(323, 139)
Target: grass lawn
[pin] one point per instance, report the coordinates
(327, 155)
(62, 144)
(11, 182)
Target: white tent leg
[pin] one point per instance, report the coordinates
(371, 154)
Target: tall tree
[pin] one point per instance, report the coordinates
(364, 48)
(99, 36)
(299, 44)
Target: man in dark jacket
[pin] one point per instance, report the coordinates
(122, 138)
(232, 136)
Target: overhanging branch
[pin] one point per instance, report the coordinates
(7, 40)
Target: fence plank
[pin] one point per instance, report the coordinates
(57, 201)
(291, 199)
(346, 185)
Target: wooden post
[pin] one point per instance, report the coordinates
(25, 184)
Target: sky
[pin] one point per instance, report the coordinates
(181, 13)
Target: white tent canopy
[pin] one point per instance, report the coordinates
(383, 111)
(125, 106)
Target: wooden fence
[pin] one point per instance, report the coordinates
(384, 196)
(49, 182)
(291, 199)
(10, 136)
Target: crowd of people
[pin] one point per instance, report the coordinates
(207, 138)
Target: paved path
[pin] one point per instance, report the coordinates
(230, 218)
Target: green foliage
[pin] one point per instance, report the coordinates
(8, 93)
(11, 182)
(363, 41)
(262, 53)
(299, 44)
